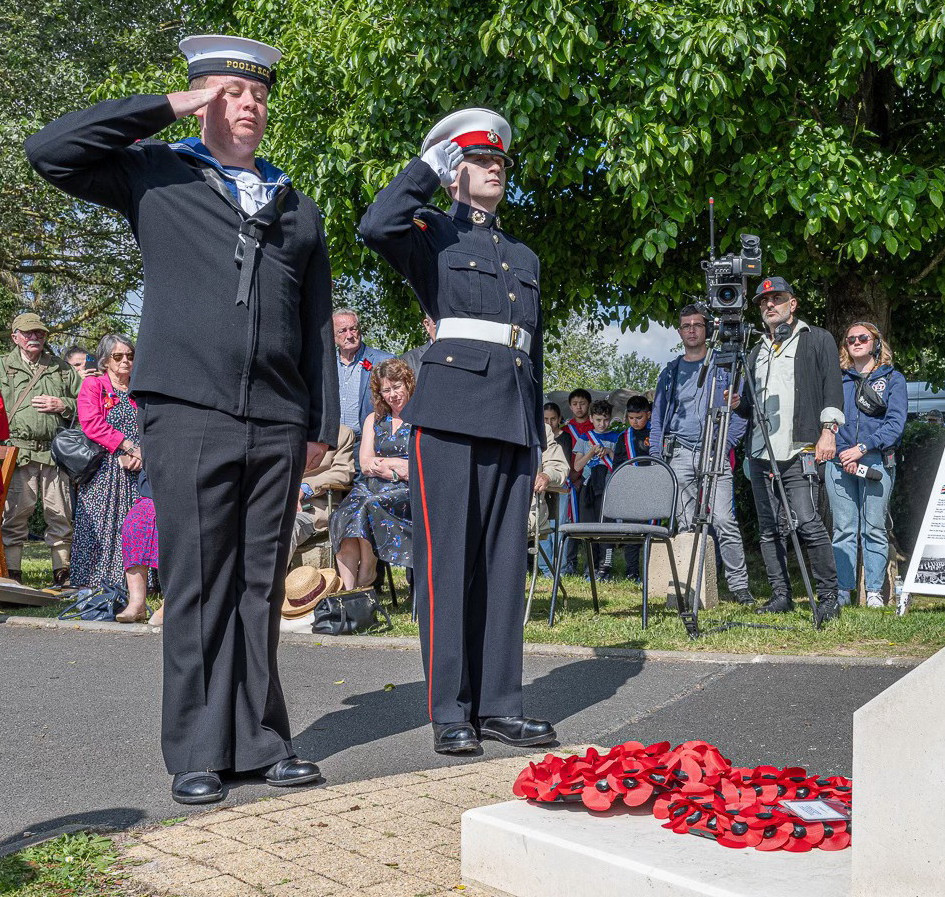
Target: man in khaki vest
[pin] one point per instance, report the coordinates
(39, 392)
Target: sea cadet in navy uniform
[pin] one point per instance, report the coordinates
(235, 374)
(477, 425)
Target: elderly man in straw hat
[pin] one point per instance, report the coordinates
(235, 374)
(477, 425)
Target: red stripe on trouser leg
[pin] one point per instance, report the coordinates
(426, 528)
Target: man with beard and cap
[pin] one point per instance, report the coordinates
(235, 374)
(477, 425)
(796, 373)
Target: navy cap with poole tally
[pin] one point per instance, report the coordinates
(223, 54)
(773, 285)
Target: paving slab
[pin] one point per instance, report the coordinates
(350, 840)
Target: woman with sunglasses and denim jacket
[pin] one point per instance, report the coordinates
(861, 476)
(108, 415)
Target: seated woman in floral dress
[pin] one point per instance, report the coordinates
(374, 520)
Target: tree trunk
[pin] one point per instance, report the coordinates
(857, 298)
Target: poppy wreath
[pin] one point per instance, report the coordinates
(697, 791)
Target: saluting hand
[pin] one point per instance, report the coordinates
(443, 158)
(187, 102)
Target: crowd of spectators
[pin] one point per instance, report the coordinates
(829, 418)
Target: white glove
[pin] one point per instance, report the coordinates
(443, 158)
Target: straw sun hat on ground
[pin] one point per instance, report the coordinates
(305, 587)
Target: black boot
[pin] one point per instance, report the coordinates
(15, 575)
(742, 596)
(780, 603)
(61, 578)
(828, 608)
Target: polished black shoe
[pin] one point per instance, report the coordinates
(203, 787)
(454, 738)
(516, 730)
(742, 596)
(779, 604)
(291, 771)
(828, 608)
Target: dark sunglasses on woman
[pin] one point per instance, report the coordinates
(851, 340)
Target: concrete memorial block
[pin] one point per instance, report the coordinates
(661, 577)
(556, 850)
(898, 788)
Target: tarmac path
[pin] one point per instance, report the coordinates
(80, 717)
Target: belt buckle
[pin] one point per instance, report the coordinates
(514, 335)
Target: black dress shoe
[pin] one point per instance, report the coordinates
(779, 604)
(516, 730)
(203, 787)
(291, 771)
(454, 738)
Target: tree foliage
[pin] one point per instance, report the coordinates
(817, 126)
(72, 262)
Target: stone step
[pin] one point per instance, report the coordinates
(557, 850)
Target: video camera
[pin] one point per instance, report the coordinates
(727, 282)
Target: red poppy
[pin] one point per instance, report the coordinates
(697, 791)
(366, 364)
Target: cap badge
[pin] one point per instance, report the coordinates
(492, 137)
(766, 285)
(478, 217)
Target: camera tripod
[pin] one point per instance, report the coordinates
(729, 354)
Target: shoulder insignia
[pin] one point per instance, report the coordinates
(421, 223)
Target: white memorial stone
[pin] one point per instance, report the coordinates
(555, 850)
(898, 787)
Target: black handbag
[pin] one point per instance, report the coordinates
(79, 456)
(345, 613)
(96, 604)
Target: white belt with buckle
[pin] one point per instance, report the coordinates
(488, 331)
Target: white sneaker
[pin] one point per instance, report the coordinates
(874, 599)
(843, 598)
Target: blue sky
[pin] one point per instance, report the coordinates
(657, 343)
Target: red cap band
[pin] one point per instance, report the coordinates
(480, 138)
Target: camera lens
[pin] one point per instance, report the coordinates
(727, 295)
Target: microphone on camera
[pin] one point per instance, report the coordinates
(865, 472)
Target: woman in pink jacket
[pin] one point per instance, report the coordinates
(109, 416)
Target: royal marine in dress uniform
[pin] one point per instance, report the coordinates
(235, 374)
(477, 425)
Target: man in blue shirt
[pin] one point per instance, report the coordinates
(356, 359)
(680, 408)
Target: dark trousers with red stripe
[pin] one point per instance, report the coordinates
(469, 501)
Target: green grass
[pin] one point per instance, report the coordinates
(80, 865)
(859, 631)
(37, 572)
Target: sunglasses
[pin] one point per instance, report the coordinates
(858, 338)
(119, 356)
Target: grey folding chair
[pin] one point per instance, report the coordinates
(640, 496)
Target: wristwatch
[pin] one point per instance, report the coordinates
(831, 425)
(862, 447)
